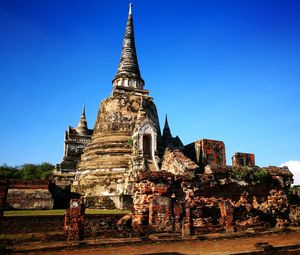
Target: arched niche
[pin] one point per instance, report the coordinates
(147, 140)
(147, 146)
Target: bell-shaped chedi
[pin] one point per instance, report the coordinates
(125, 137)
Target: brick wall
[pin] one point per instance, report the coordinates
(29, 199)
(95, 225)
(31, 224)
(30, 184)
(3, 194)
(32, 194)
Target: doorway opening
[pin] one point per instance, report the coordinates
(147, 146)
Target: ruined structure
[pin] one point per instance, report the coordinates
(75, 141)
(170, 187)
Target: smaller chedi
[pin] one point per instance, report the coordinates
(126, 162)
(75, 141)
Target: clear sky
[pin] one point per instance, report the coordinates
(222, 69)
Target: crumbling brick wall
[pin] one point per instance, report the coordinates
(31, 194)
(94, 224)
(155, 206)
(207, 202)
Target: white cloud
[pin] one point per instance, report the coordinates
(294, 166)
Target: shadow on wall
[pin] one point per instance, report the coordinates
(61, 196)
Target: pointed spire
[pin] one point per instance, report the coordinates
(128, 73)
(83, 111)
(166, 123)
(167, 132)
(82, 124)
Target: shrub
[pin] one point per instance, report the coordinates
(239, 174)
(261, 175)
(130, 142)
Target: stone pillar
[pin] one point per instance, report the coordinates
(151, 213)
(227, 216)
(186, 224)
(178, 210)
(74, 220)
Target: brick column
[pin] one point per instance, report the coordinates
(4, 182)
(3, 194)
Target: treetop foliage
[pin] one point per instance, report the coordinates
(27, 171)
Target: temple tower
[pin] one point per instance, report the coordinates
(125, 138)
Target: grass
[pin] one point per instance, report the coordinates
(59, 212)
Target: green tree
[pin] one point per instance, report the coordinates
(44, 170)
(27, 171)
(10, 172)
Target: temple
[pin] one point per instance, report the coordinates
(127, 163)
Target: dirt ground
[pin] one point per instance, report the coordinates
(224, 246)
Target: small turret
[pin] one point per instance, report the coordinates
(167, 136)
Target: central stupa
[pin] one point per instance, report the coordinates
(126, 135)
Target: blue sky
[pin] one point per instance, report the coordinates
(222, 69)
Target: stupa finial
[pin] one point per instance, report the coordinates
(130, 7)
(128, 73)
